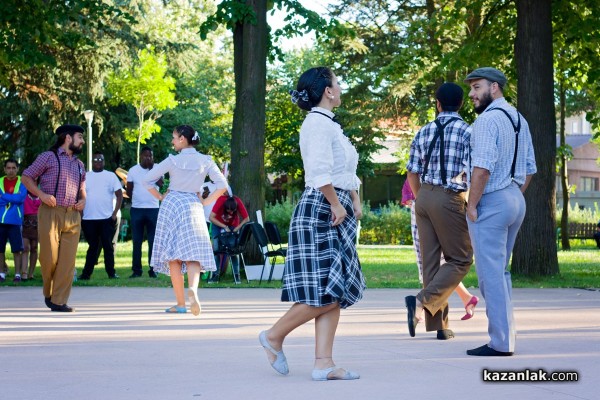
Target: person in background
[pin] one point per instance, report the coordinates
(228, 215)
(322, 273)
(597, 235)
(182, 240)
(30, 235)
(61, 189)
(100, 216)
(144, 210)
(469, 301)
(12, 196)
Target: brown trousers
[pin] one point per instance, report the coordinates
(442, 225)
(58, 229)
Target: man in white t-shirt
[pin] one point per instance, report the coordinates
(144, 210)
(100, 216)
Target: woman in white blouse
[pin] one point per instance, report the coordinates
(182, 242)
(322, 271)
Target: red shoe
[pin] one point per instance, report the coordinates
(473, 302)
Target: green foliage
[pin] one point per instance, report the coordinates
(389, 225)
(586, 215)
(147, 87)
(281, 214)
(565, 152)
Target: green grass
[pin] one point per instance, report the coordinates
(383, 266)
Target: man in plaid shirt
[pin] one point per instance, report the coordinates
(61, 177)
(438, 157)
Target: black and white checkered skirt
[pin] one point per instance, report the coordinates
(181, 233)
(322, 266)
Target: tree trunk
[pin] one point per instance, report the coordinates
(564, 178)
(535, 248)
(248, 132)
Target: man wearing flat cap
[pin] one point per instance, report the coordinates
(502, 163)
(61, 178)
(438, 156)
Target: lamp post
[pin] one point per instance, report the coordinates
(89, 117)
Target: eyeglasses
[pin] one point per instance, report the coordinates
(98, 159)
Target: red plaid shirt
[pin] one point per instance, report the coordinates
(71, 180)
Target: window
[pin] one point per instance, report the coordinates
(589, 184)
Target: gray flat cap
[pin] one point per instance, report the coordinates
(489, 73)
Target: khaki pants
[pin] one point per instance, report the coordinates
(58, 229)
(442, 225)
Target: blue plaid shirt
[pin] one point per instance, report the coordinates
(493, 146)
(456, 145)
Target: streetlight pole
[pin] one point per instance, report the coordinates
(89, 117)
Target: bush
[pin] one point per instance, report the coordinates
(388, 225)
(582, 216)
(281, 214)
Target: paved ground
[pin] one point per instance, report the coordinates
(121, 345)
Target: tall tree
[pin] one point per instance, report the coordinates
(247, 19)
(535, 248)
(146, 87)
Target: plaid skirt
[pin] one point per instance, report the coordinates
(322, 266)
(181, 234)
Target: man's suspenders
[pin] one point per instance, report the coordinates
(439, 133)
(517, 129)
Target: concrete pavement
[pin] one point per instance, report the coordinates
(120, 344)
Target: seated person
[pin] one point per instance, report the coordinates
(227, 215)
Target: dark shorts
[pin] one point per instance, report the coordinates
(30, 227)
(12, 233)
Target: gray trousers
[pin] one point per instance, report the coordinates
(442, 226)
(499, 217)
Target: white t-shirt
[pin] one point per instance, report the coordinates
(100, 193)
(141, 197)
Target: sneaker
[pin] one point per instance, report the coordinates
(17, 278)
(83, 277)
(135, 275)
(115, 276)
(152, 274)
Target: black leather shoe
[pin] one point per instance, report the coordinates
(61, 308)
(411, 308)
(48, 302)
(445, 334)
(487, 351)
(83, 277)
(115, 276)
(135, 275)
(152, 274)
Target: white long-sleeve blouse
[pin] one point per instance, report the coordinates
(187, 172)
(327, 154)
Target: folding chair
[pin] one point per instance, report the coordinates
(261, 238)
(238, 247)
(274, 238)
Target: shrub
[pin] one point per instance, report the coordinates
(281, 214)
(578, 215)
(388, 225)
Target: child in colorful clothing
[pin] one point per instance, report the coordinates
(30, 236)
